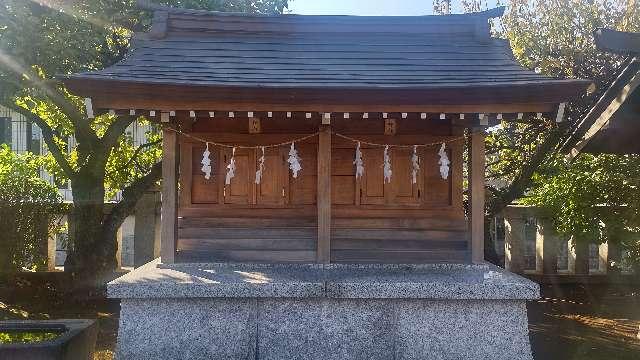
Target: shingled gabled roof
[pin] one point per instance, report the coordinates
(236, 58)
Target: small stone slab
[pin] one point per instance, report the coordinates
(316, 329)
(187, 328)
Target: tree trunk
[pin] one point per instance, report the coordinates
(92, 249)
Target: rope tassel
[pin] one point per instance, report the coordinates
(444, 162)
(358, 162)
(387, 165)
(415, 165)
(206, 163)
(294, 161)
(231, 168)
(260, 167)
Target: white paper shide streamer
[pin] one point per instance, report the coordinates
(231, 168)
(415, 165)
(444, 162)
(206, 163)
(294, 161)
(358, 162)
(260, 167)
(387, 165)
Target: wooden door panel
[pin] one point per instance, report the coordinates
(204, 191)
(401, 189)
(343, 181)
(343, 190)
(373, 189)
(303, 190)
(342, 162)
(270, 189)
(240, 190)
(437, 191)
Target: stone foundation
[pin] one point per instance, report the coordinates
(322, 312)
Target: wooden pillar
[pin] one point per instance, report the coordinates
(169, 217)
(324, 194)
(476, 186)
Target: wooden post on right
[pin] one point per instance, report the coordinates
(476, 194)
(169, 211)
(324, 195)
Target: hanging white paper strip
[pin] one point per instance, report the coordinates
(444, 162)
(387, 165)
(231, 168)
(294, 161)
(260, 167)
(415, 165)
(206, 163)
(358, 162)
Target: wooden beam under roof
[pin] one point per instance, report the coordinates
(617, 41)
(601, 113)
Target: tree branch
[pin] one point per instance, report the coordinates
(131, 194)
(115, 130)
(29, 78)
(138, 150)
(522, 179)
(48, 136)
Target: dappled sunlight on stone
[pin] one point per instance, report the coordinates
(254, 277)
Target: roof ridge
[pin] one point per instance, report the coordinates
(149, 5)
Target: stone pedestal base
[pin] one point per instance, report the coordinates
(323, 312)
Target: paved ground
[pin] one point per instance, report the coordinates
(574, 322)
(570, 322)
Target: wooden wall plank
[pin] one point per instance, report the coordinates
(258, 256)
(169, 210)
(324, 194)
(186, 174)
(477, 156)
(398, 257)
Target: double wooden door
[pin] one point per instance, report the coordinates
(277, 187)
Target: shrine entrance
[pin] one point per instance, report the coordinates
(264, 212)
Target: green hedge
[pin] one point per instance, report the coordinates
(29, 209)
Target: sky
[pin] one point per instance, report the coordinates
(370, 7)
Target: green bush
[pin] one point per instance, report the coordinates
(28, 211)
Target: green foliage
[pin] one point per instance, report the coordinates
(128, 161)
(593, 199)
(28, 206)
(62, 37)
(555, 38)
(40, 41)
(26, 337)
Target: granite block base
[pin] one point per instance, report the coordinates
(323, 314)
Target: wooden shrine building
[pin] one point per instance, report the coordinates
(325, 84)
